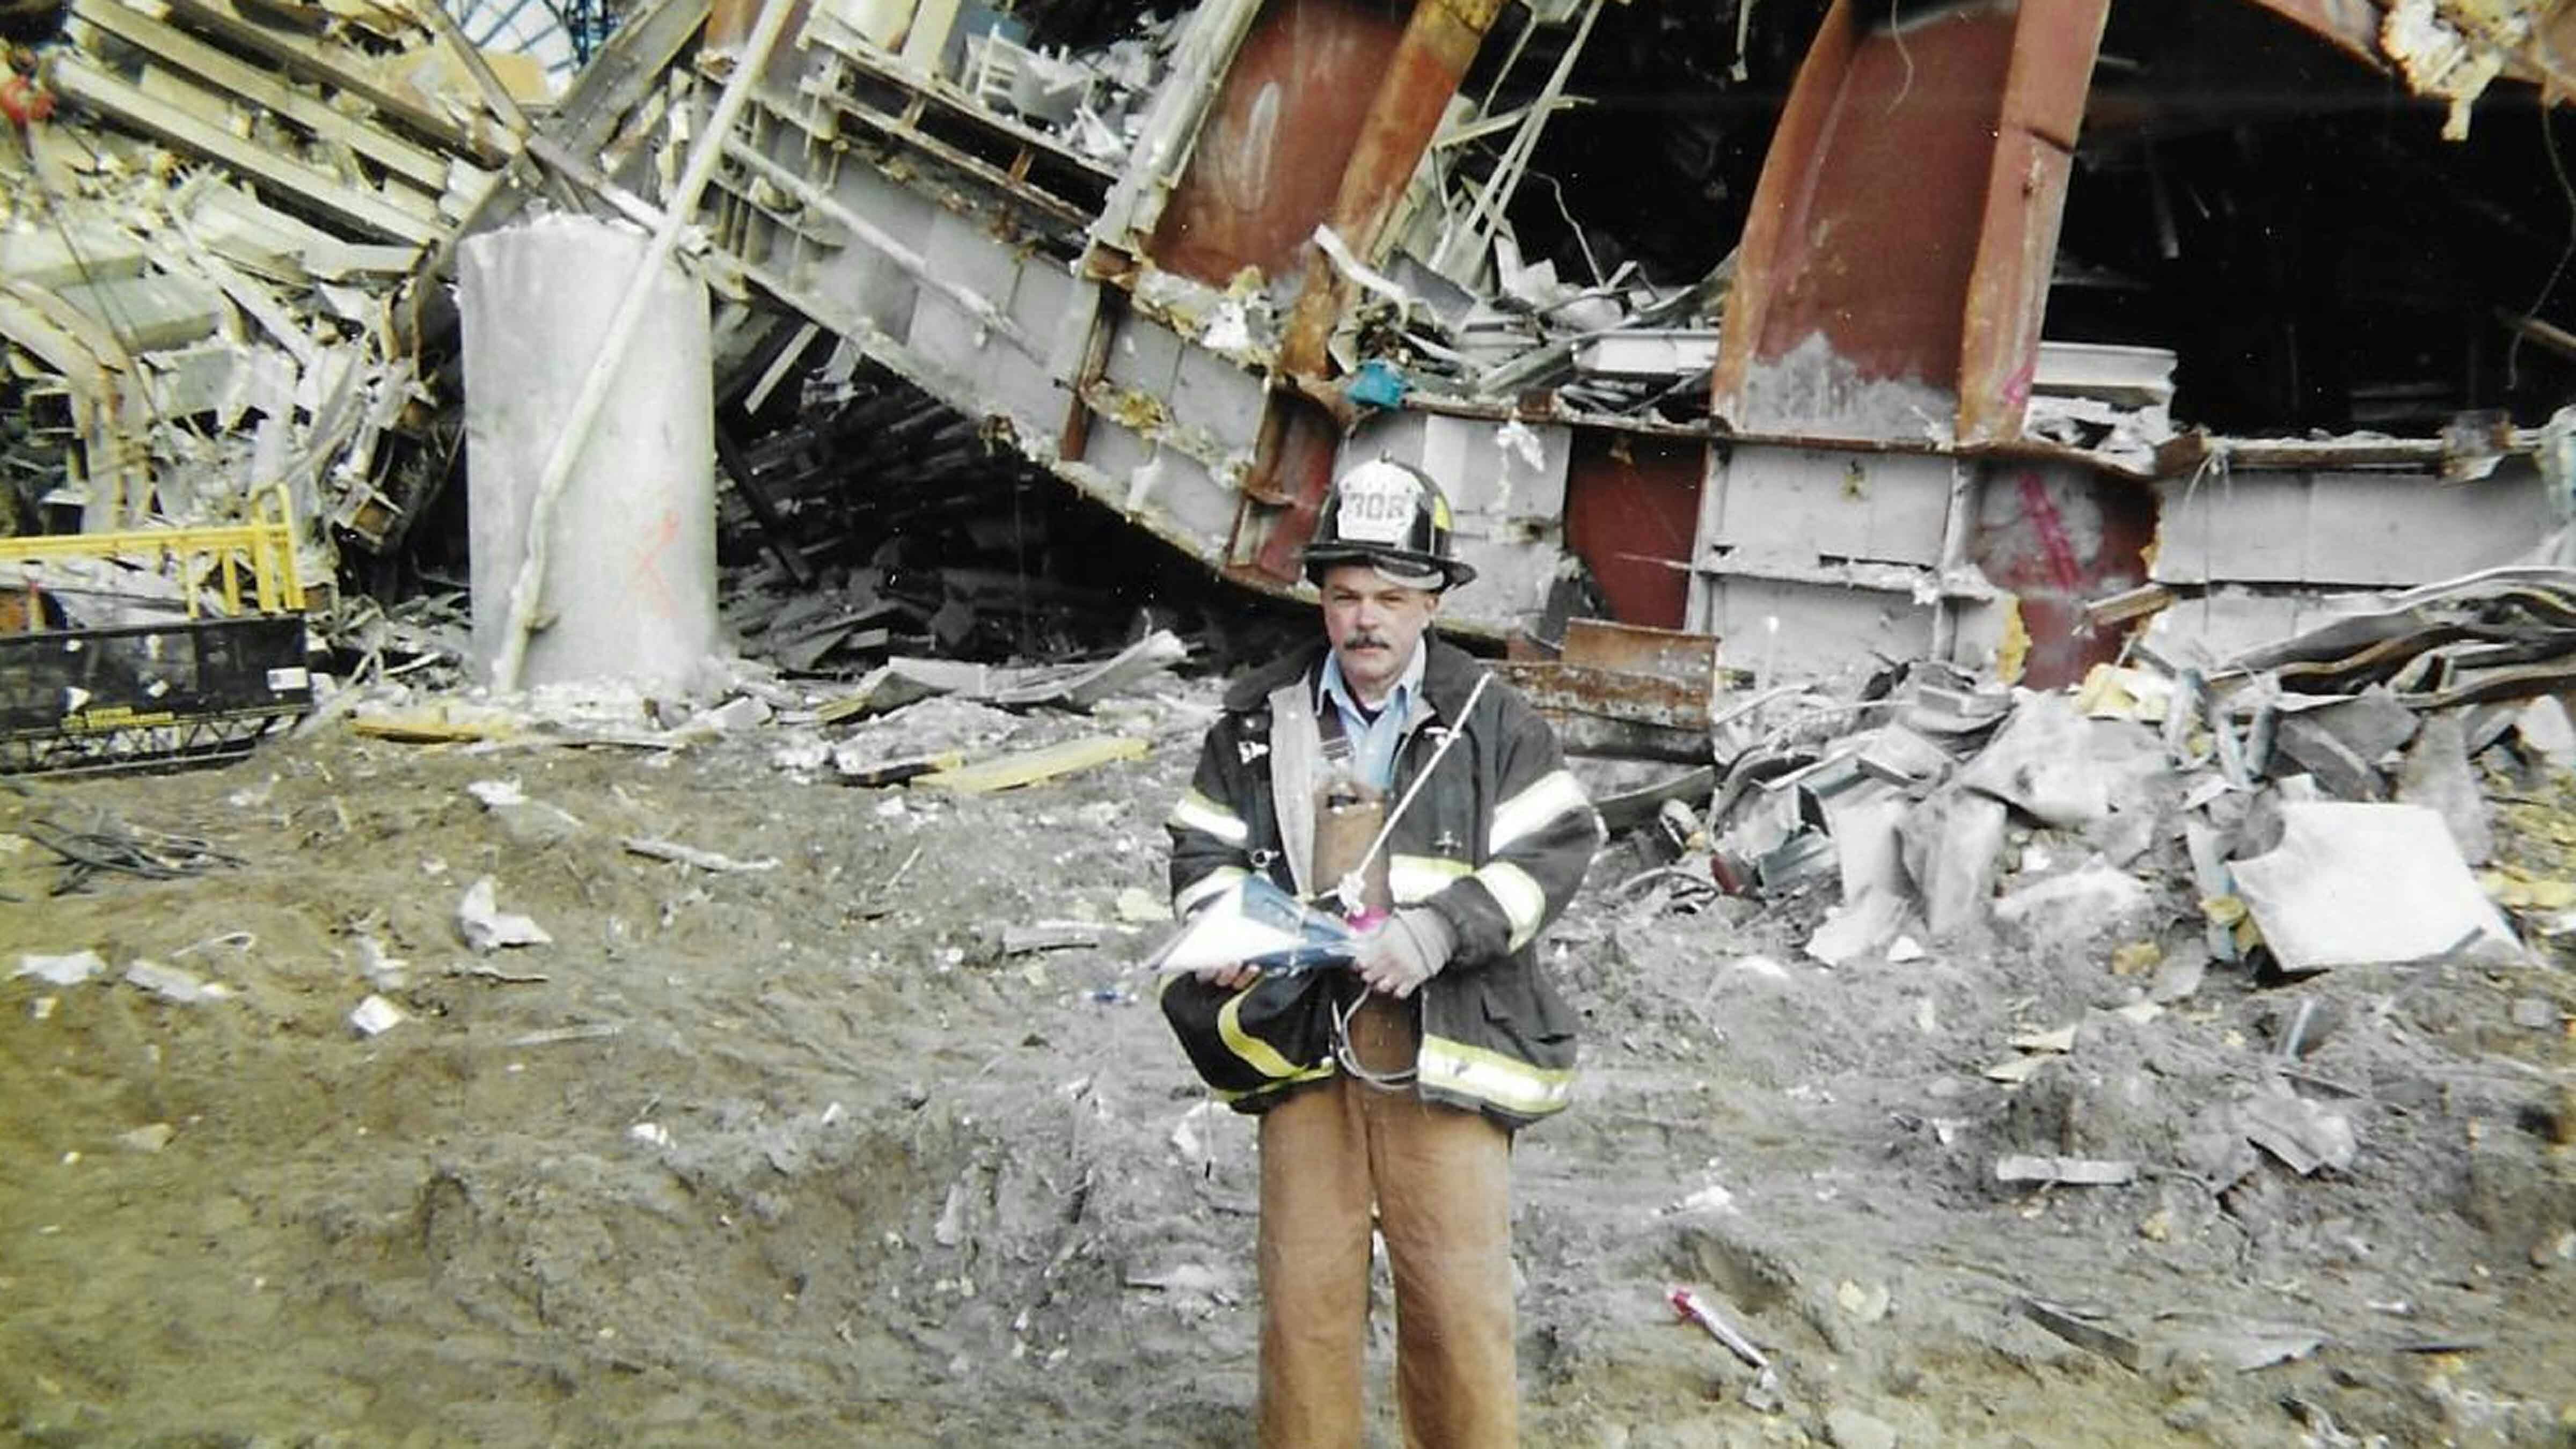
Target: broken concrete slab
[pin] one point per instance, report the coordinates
(2303, 1135)
(2068, 914)
(2041, 763)
(2436, 775)
(2360, 884)
(2072, 1171)
(1953, 846)
(1867, 844)
(2179, 974)
(1860, 926)
(2546, 731)
(2342, 743)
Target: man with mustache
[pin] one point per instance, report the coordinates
(1380, 770)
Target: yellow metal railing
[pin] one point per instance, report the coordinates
(216, 557)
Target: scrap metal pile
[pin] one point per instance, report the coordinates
(209, 248)
(2327, 800)
(212, 222)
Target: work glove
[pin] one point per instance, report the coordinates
(1405, 950)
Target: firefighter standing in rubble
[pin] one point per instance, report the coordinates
(1392, 1101)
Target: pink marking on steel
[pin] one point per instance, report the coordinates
(2051, 528)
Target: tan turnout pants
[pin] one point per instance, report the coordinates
(1439, 1180)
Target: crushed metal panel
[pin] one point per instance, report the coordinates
(2231, 619)
(2354, 529)
(1032, 293)
(1168, 488)
(1211, 395)
(1813, 505)
(1631, 508)
(1143, 354)
(1272, 149)
(1778, 629)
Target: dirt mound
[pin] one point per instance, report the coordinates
(807, 1151)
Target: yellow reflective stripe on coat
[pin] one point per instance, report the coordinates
(1490, 1076)
(1197, 812)
(1207, 888)
(1260, 1055)
(1555, 794)
(1523, 900)
(1412, 879)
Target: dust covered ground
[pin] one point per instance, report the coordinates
(801, 1155)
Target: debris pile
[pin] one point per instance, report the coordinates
(209, 249)
(2314, 803)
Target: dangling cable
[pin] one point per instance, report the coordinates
(1350, 893)
(2549, 146)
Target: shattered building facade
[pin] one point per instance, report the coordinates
(1822, 336)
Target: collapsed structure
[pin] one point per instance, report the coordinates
(1693, 358)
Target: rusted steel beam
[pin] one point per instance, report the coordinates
(1605, 712)
(1898, 251)
(1685, 660)
(2054, 45)
(1851, 287)
(1796, 140)
(1413, 93)
(1294, 464)
(1281, 501)
(1270, 152)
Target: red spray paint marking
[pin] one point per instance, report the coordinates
(2051, 528)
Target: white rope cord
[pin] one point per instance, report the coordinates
(1350, 891)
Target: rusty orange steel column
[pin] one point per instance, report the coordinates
(1896, 260)
(2054, 45)
(1439, 44)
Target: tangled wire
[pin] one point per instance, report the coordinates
(110, 844)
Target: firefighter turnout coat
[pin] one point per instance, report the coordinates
(1496, 841)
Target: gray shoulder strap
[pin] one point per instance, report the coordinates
(1296, 763)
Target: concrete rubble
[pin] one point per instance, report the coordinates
(2280, 818)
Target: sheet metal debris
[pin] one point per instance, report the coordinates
(2357, 884)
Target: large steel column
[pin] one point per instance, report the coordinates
(1413, 93)
(1894, 269)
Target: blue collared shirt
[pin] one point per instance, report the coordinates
(1374, 738)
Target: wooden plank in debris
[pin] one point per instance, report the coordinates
(78, 80)
(428, 729)
(895, 772)
(1031, 766)
(330, 64)
(59, 335)
(2074, 1171)
(2068, 1324)
(1048, 936)
(129, 23)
